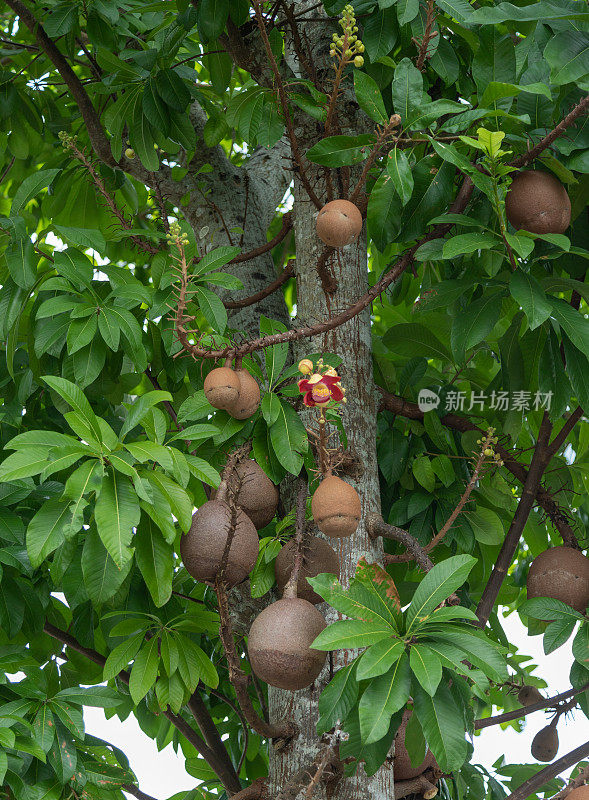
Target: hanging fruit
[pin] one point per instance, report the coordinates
(545, 744)
(232, 390)
(538, 202)
(563, 574)
(256, 495)
(339, 223)
(279, 644)
(336, 507)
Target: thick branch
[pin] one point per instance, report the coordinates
(422, 785)
(500, 719)
(290, 590)
(551, 771)
(539, 463)
(226, 774)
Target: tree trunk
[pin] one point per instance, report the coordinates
(352, 342)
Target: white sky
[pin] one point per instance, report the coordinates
(162, 774)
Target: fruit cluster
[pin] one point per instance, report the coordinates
(232, 390)
(347, 45)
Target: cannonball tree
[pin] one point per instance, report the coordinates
(273, 274)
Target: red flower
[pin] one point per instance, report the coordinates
(320, 389)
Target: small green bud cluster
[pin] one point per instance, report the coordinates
(347, 44)
(175, 235)
(67, 139)
(489, 450)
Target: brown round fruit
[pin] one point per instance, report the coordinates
(202, 548)
(538, 203)
(279, 644)
(580, 793)
(545, 744)
(339, 223)
(528, 695)
(563, 574)
(222, 388)
(402, 768)
(248, 399)
(257, 495)
(318, 557)
(336, 507)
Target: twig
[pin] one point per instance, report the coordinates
(383, 135)
(578, 111)
(423, 786)
(551, 771)
(286, 273)
(427, 36)
(549, 702)
(264, 248)
(376, 526)
(290, 589)
(582, 778)
(130, 788)
(292, 137)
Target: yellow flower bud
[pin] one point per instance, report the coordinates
(306, 366)
(358, 61)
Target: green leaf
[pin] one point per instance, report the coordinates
(526, 290)
(155, 559)
(276, 355)
(340, 151)
(172, 89)
(338, 698)
(379, 658)
(414, 339)
(468, 243)
(21, 262)
(399, 170)
(486, 526)
(63, 756)
(382, 698)
(439, 583)
(407, 89)
(142, 140)
(577, 370)
(443, 727)
(359, 601)
(289, 438)
(502, 12)
(549, 609)
(567, 54)
(119, 658)
(144, 672)
(151, 451)
(61, 20)
(426, 666)
(140, 408)
(24, 464)
(212, 17)
(117, 513)
(470, 329)
(350, 634)
(212, 308)
(380, 33)
(46, 531)
(30, 187)
(77, 400)
(369, 97)
(81, 332)
(44, 728)
(154, 108)
(384, 211)
(95, 696)
(460, 10)
(574, 324)
(102, 577)
(423, 471)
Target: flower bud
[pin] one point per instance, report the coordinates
(306, 366)
(358, 61)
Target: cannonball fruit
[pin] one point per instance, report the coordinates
(279, 644)
(318, 557)
(339, 223)
(580, 793)
(222, 388)
(538, 203)
(528, 695)
(545, 744)
(336, 507)
(202, 548)
(563, 574)
(248, 398)
(402, 768)
(256, 495)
